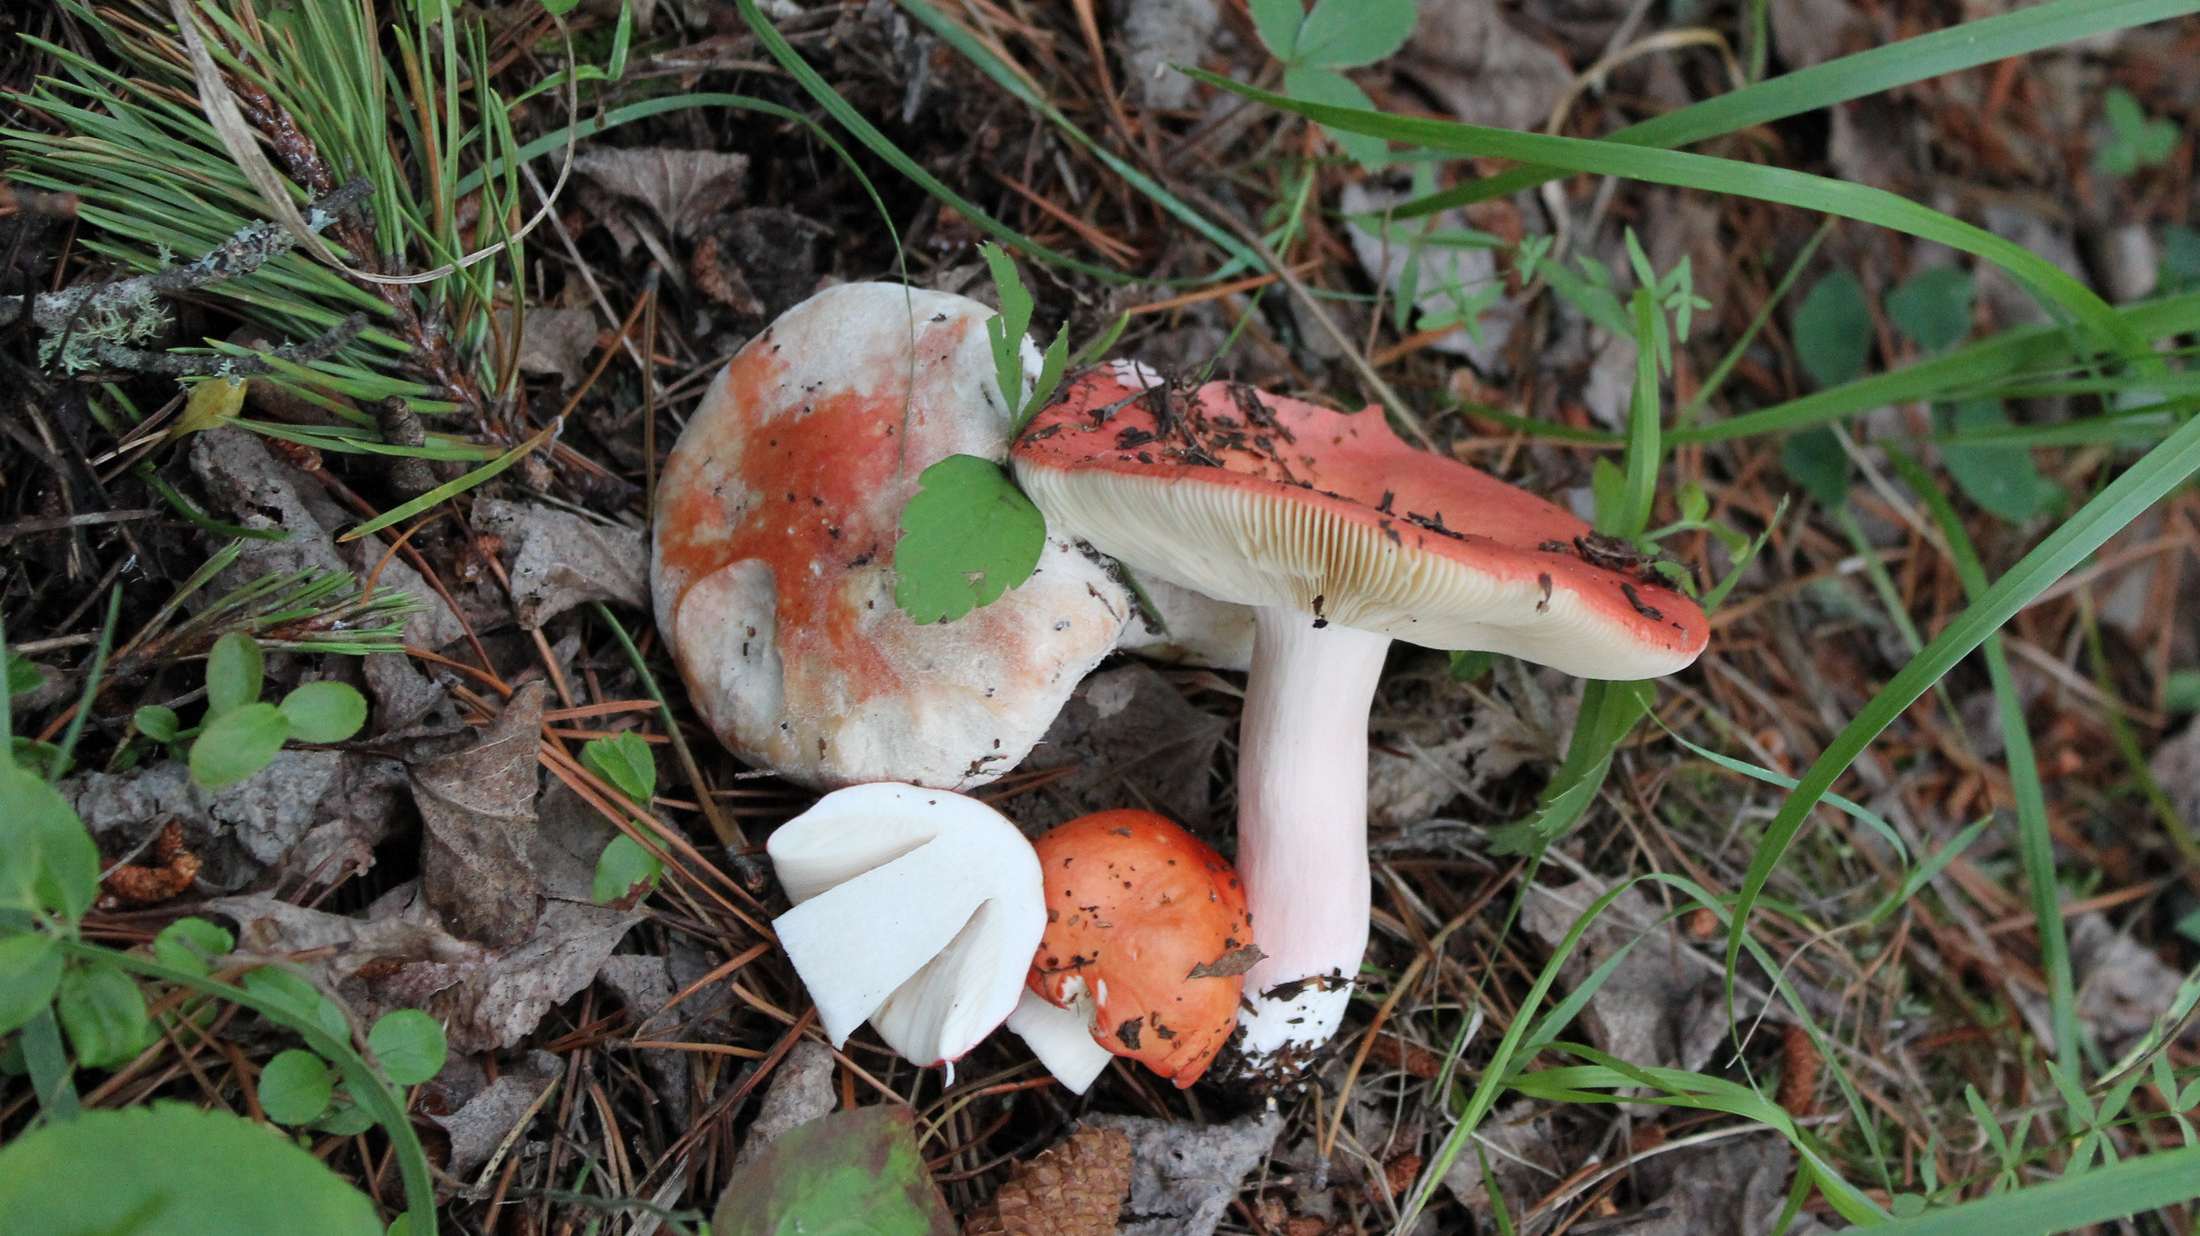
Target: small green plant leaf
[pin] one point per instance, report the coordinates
(1933, 307)
(174, 1170)
(23, 674)
(2133, 140)
(234, 673)
(626, 762)
(1814, 460)
(2003, 480)
(43, 758)
(1278, 22)
(623, 867)
(1608, 490)
(2181, 691)
(1695, 504)
(410, 1046)
(1343, 34)
(1005, 330)
(324, 711)
(189, 944)
(104, 1013)
(852, 1171)
(47, 861)
(237, 744)
(214, 402)
(1471, 665)
(344, 1118)
(295, 1087)
(157, 723)
(30, 971)
(1334, 89)
(1053, 363)
(1833, 330)
(2180, 268)
(298, 1000)
(968, 536)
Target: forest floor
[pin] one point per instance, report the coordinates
(609, 1061)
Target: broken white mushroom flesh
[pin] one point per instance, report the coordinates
(1062, 1039)
(917, 910)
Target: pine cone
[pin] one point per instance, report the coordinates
(1074, 1189)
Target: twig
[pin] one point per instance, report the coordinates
(106, 320)
(188, 364)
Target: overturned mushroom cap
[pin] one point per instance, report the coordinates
(916, 909)
(1147, 944)
(1273, 502)
(774, 548)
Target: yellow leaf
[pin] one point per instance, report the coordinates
(213, 402)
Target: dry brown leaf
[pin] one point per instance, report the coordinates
(1183, 1175)
(1658, 1008)
(1128, 739)
(555, 342)
(683, 188)
(559, 560)
(479, 1126)
(477, 808)
(308, 815)
(801, 1090)
(399, 957)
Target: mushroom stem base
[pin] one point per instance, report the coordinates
(1302, 825)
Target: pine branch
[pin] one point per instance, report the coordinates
(102, 322)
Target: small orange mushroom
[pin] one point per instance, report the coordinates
(1145, 953)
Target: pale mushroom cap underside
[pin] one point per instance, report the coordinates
(773, 554)
(1271, 502)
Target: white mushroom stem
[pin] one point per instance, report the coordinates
(1302, 824)
(1062, 1040)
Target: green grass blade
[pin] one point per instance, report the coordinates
(879, 144)
(2029, 348)
(2047, 281)
(2121, 501)
(991, 65)
(1644, 446)
(1959, 47)
(2034, 842)
(2145, 1183)
(449, 489)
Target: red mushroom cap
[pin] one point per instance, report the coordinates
(1146, 926)
(1269, 501)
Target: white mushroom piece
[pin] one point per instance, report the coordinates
(1188, 628)
(772, 565)
(918, 910)
(1342, 538)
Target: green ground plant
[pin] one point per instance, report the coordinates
(74, 1005)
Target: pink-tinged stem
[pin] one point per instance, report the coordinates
(1302, 824)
